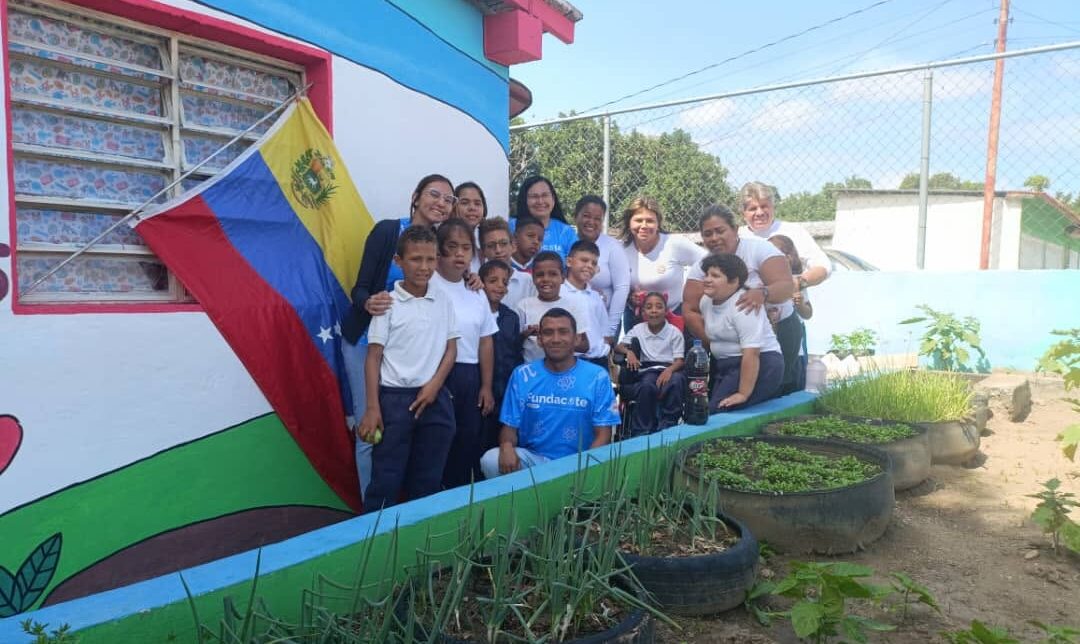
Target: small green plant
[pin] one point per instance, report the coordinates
(821, 592)
(980, 633)
(859, 343)
(42, 635)
(911, 592)
(759, 466)
(845, 429)
(948, 340)
(1063, 357)
(904, 396)
(1057, 634)
(1052, 514)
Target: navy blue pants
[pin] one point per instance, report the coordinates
(725, 378)
(654, 407)
(412, 454)
(463, 463)
(789, 333)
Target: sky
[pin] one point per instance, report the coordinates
(799, 139)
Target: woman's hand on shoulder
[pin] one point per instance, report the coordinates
(378, 304)
(751, 300)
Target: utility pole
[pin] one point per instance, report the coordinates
(992, 139)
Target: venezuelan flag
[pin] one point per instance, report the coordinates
(270, 248)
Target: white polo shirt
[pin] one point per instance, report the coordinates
(730, 330)
(518, 288)
(598, 318)
(664, 268)
(665, 346)
(753, 252)
(531, 309)
(413, 334)
(473, 314)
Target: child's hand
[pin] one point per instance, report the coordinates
(632, 362)
(487, 401)
(530, 331)
(473, 281)
(426, 396)
(663, 378)
(732, 400)
(369, 425)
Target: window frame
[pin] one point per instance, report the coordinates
(184, 31)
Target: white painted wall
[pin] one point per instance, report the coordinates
(882, 228)
(95, 392)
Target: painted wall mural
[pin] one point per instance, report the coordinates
(135, 444)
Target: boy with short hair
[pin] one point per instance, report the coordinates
(581, 265)
(495, 275)
(497, 243)
(547, 274)
(653, 376)
(528, 237)
(411, 349)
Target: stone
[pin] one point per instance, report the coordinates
(1007, 394)
(1031, 554)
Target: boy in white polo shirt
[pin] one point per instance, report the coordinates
(654, 380)
(547, 274)
(411, 350)
(581, 266)
(496, 242)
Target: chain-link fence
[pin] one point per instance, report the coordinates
(823, 143)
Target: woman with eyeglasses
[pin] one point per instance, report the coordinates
(431, 203)
(537, 197)
(612, 277)
(472, 209)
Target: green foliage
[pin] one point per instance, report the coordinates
(939, 181)
(845, 429)
(980, 633)
(670, 167)
(758, 466)
(1037, 182)
(860, 342)
(1057, 634)
(947, 339)
(1063, 358)
(19, 591)
(821, 592)
(42, 635)
(904, 396)
(816, 206)
(1052, 512)
(912, 592)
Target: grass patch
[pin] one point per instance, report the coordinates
(757, 466)
(905, 396)
(845, 429)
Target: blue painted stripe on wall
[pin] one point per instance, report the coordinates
(382, 37)
(162, 591)
(458, 23)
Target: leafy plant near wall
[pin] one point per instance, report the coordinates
(948, 340)
(42, 634)
(1063, 357)
(1052, 515)
(859, 343)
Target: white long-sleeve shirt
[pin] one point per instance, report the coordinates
(805, 246)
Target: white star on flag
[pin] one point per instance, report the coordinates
(325, 335)
(337, 328)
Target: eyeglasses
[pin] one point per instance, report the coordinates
(446, 199)
(495, 245)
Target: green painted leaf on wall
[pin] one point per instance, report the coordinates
(19, 592)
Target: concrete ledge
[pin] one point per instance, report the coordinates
(1007, 394)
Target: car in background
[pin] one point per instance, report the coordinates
(844, 261)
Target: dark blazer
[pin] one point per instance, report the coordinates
(379, 252)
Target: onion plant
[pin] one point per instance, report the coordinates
(908, 396)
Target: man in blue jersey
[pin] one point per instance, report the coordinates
(553, 407)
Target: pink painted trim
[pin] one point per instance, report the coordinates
(555, 23)
(513, 37)
(318, 67)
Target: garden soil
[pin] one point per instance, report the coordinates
(966, 534)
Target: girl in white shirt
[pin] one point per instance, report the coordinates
(657, 261)
(747, 364)
(612, 277)
(469, 381)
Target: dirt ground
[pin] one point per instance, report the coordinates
(966, 534)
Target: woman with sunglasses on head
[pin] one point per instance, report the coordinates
(432, 202)
(537, 198)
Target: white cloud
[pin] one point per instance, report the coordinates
(948, 83)
(781, 115)
(706, 114)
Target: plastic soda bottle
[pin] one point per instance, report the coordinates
(816, 375)
(696, 411)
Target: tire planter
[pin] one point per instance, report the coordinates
(953, 442)
(701, 584)
(833, 521)
(911, 457)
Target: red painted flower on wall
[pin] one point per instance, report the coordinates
(4, 252)
(10, 439)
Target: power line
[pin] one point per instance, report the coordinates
(1046, 20)
(742, 55)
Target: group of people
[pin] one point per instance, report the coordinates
(485, 345)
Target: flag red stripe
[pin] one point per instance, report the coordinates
(266, 334)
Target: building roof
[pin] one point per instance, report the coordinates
(1018, 194)
(488, 7)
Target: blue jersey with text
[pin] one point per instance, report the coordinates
(555, 413)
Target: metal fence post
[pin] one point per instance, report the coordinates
(607, 170)
(924, 168)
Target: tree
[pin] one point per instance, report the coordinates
(819, 206)
(939, 181)
(1037, 182)
(670, 167)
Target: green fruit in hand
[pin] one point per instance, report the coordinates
(377, 437)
